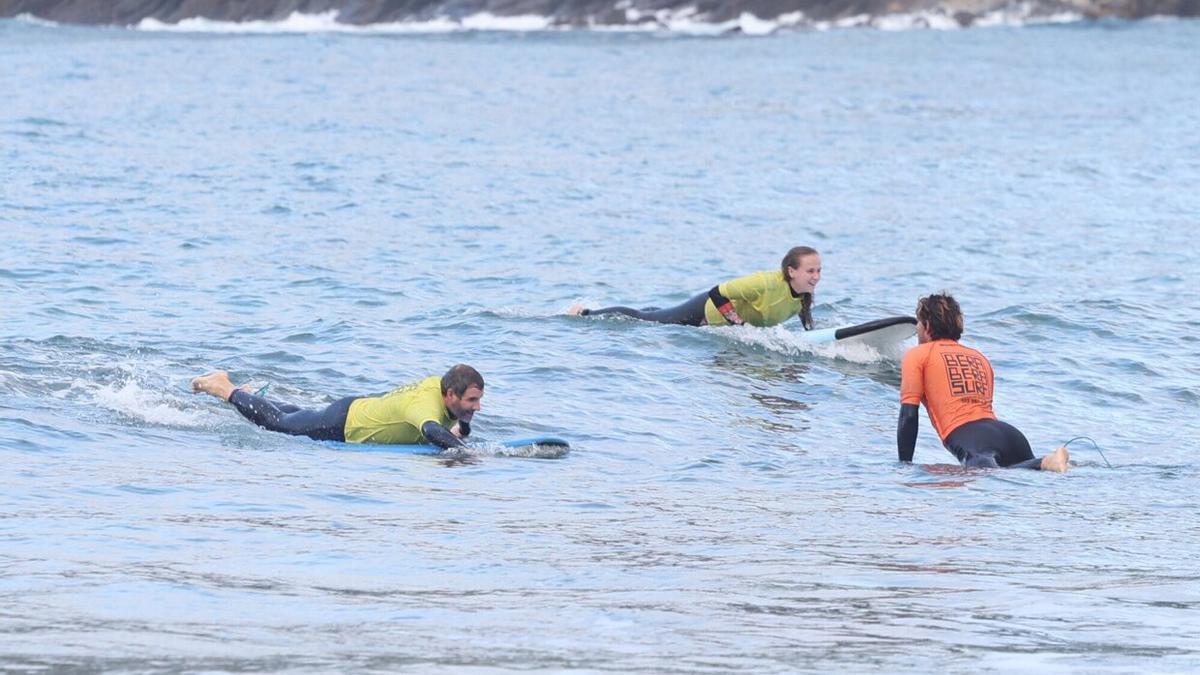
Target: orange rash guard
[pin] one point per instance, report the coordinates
(954, 382)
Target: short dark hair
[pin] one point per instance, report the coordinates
(941, 315)
(460, 378)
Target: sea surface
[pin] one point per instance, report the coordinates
(338, 214)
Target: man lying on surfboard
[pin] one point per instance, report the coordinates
(956, 383)
(435, 410)
(760, 299)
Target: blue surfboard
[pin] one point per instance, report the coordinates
(524, 446)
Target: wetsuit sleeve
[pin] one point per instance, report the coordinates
(439, 435)
(723, 304)
(912, 390)
(719, 301)
(906, 431)
(464, 428)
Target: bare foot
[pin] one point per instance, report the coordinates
(1056, 461)
(215, 384)
(575, 310)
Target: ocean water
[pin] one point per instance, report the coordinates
(337, 214)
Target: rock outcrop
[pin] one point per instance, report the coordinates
(574, 12)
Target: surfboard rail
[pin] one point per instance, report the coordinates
(427, 449)
(871, 326)
(892, 329)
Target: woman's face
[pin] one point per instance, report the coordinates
(803, 278)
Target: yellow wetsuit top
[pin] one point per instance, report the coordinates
(761, 299)
(397, 416)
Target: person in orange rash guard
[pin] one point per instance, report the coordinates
(956, 383)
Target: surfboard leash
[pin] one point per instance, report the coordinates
(1095, 445)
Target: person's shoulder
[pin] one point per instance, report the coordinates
(417, 387)
(974, 351)
(955, 344)
(920, 351)
(765, 278)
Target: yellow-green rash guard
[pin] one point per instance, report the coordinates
(397, 417)
(761, 299)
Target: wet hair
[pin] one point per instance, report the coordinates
(460, 378)
(792, 259)
(941, 315)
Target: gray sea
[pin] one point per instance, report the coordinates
(338, 214)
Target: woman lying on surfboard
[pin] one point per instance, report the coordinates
(760, 299)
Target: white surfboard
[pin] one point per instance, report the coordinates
(879, 334)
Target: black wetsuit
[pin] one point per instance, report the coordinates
(688, 313)
(991, 444)
(326, 424)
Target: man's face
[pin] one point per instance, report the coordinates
(463, 407)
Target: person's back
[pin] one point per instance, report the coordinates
(397, 416)
(955, 383)
(760, 299)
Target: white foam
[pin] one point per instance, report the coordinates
(688, 21)
(297, 22)
(327, 22)
(524, 22)
(1023, 16)
(1015, 15)
(35, 20)
(132, 400)
(489, 449)
(683, 21)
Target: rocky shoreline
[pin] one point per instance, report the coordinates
(584, 13)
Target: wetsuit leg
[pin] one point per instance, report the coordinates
(991, 443)
(688, 313)
(326, 424)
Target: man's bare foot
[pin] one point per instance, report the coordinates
(575, 310)
(215, 384)
(1056, 461)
